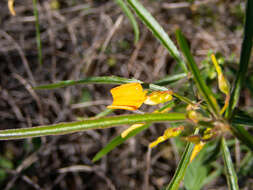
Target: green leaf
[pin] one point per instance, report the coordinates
(104, 113)
(181, 168)
(201, 85)
(245, 173)
(229, 167)
(157, 30)
(170, 79)
(131, 18)
(244, 59)
(77, 126)
(213, 155)
(243, 135)
(117, 141)
(242, 120)
(88, 80)
(196, 172)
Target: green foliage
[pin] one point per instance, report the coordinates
(201, 115)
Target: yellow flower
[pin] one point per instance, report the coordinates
(128, 96)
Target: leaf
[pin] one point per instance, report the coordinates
(243, 135)
(131, 18)
(229, 167)
(181, 168)
(117, 141)
(77, 126)
(170, 79)
(244, 59)
(214, 153)
(157, 30)
(196, 172)
(245, 173)
(242, 120)
(88, 80)
(202, 87)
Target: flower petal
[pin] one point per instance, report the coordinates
(128, 96)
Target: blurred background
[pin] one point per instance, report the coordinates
(82, 38)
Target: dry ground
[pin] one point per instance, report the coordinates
(94, 38)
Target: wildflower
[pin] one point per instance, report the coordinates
(131, 96)
(128, 96)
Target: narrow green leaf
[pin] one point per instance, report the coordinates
(37, 26)
(245, 173)
(202, 87)
(181, 168)
(157, 30)
(170, 79)
(244, 59)
(229, 168)
(216, 173)
(117, 141)
(100, 80)
(104, 113)
(88, 80)
(242, 120)
(212, 156)
(77, 126)
(243, 135)
(131, 18)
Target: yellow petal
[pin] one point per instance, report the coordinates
(158, 97)
(197, 148)
(11, 7)
(131, 128)
(128, 96)
(168, 133)
(157, 141)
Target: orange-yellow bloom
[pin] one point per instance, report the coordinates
(128, 96)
